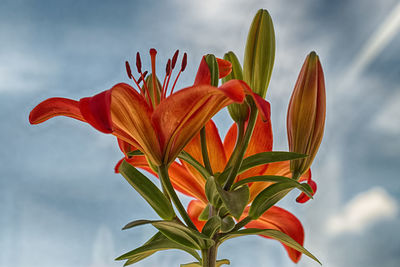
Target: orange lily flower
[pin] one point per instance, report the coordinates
(148, 120)
(189, 181)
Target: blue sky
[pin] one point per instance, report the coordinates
(60, 201)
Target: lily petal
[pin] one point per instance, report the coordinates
(215, 149)
(183, 114)
(56, 106)
(194, 209)
(303, 198)
(131, 118)
(203, 75)
(96, 111)
(281, 220)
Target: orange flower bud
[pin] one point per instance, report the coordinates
(306, 114)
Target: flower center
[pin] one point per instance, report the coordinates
(151, 89)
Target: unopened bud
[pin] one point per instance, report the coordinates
(260, 53)
(149, 82)
(306, 114)
(238, 112)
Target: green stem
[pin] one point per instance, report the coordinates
(239, 140)
(237, 161)
(204, 151)
(164, 177)
(209, 256)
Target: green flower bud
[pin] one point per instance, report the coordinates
(149, 82)
(238, 112)
(213, 66)
(260, 53)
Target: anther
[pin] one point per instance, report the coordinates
(174, 58)
(128, 69)
(184, 62)
(144, 76)
(168, 67)
(138, 63)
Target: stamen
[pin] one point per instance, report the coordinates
(153, 53)
(128, 69)
(184, 62)
(144, 76)
(174, 58)
(167, 72)
(138, 63)
(183, 67)
(139, 69)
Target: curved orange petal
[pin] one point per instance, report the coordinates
(203, 75)
(215, 148)
(131, 118)
(181, 116)
(281, 220)
(261, 141)
(194, 209)
(230, 140)
(96, 111)
(56, 106)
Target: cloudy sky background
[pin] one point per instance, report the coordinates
(62, 205)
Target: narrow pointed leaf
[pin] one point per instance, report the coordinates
(278, 179)
(148, 191)
(183, 235)
(189, 159)
(136, 223)
(157, 243)
(268, 157)
(269, 197)
(274, 234)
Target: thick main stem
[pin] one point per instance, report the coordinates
(209, 256)
(164, 177)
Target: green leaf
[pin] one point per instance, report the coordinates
(212, 226)
(274, 234)
(157, 243)
(268, 157)
(183, 235)
(136, 223)
(189, 159)
(227, 224)
(214, 70)
(212, 193)
(278, 179)
(267, 198)
(204, 214)
(235, 201)
(148, 191)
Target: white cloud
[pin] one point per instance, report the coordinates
(364, 210)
